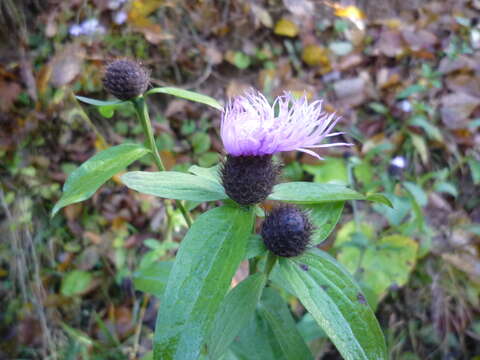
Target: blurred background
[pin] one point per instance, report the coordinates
(404, 76)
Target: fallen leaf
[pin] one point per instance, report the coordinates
(351, 91)
(464, 84)
(300, 8)
(419, 39)
(390, 43)
(349, 62)
(460, 62)
(9, 92)
(66, 64)
(285, 27)
(262, 15)
(387, 77)
(457, 108)
(315, 55)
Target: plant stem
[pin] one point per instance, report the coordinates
(142, 113)
(271, 260)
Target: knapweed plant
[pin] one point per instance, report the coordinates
(200, 314)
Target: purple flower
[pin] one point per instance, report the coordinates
(251, 126)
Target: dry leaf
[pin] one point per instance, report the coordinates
(300, 8)
(66, 64)
(9, 91)
(390, 43)
(262, 15)
(457, 108)
(463, 83)
(351, 91)
(315, 55)
(285, 27)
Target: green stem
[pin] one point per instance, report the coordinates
(271, 260)
(142, 113)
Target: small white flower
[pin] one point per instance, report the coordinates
(75, 30)
(120, 17)
(405, 106)
(399, 161)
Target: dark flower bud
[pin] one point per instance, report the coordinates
(286, 231)
(126, 79)
(249, 179)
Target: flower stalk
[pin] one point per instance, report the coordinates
(142, 112)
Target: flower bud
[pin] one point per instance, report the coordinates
(126, 79)
(286, 231)
(249, 180)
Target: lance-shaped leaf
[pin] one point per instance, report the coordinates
(330, 294)
(105, 108)
(257, 341)
(204, 266)
(174, 185)
(153, 278)
(324, 217)
(313, 193)
(93, 173)
(96, 102)
(188, 95)
(236, 310)
(274, 309)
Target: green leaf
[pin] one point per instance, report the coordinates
(105, 108)
(204, 266)
(99, 102)
(274, 309)
(93, 173)
(384, 262)
(236, 310)
(75, 282)
(200, 142)
(188, 95)
(395, 214)
(211, 173)
(241, 60)
(257, 341)
(474, 170)
(417, 192)
(413, 89)
(333, 298)
(446, 187)
(174, 185)
(208, 159)
(379, 198)
(331, 170)
(153, 278)
(313, 193)
(324, 217)
(310, 329)
(431, 130)
(255, 247)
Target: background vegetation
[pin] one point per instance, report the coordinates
(404, 75)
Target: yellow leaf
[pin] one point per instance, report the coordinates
(350, 12)
(285, 27)
(421, 146)
(141, 9)
(314, 55)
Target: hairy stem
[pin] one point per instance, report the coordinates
(142, 113)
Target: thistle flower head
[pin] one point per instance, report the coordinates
(251, 126)
(286, 231)
(126, 79)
